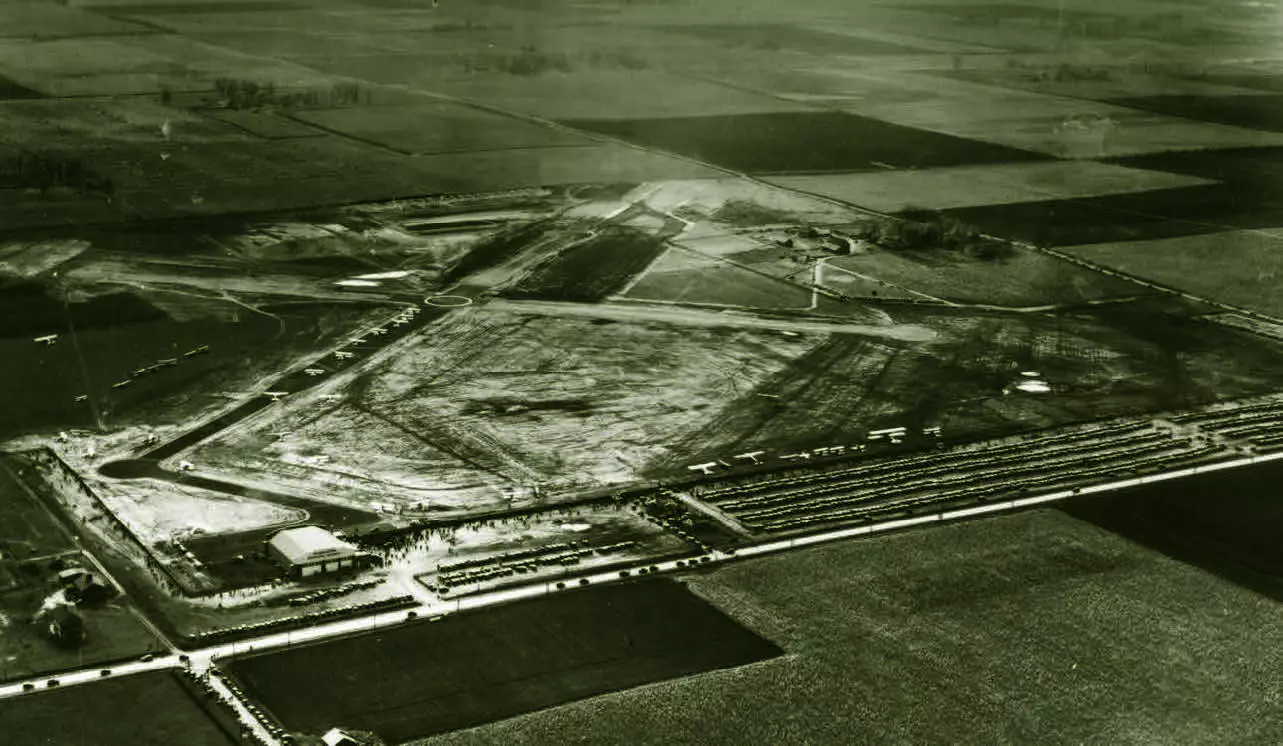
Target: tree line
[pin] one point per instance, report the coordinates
(239, 93)
(918, 229)
(45, 171)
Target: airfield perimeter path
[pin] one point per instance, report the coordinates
(689, 316)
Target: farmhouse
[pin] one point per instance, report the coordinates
(311, 550)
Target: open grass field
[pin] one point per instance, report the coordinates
(1025, 279)
(112, 633)
(152, 707)
(31, 540)
(783, 36)
(425, 678)
(1121, 360)
(817, 141)
(27, 529)
(973, 186)
(1027, 628)
(501, 399)
(243, 342)
(1248, 265)
(681, 276)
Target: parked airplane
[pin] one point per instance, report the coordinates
(752, 456)
(47, 339)
(276, 395)
(705, 468)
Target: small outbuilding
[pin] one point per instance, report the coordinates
(311, 550)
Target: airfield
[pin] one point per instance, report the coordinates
(530, 300)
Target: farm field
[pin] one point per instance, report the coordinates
(592, 269)
(1026, 278)
(605, 163)
(1261, 112)
(1231, 539)
(1056, 628)
(1248, 264)
(609, 94)
(1164, 213)
(973, 186)
(464, 670)
(1023, 121)
(1107, 81)
(435, 127)
(110, 713)
(787, 142)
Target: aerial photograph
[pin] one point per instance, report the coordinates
(451, 372)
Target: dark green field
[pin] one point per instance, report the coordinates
(1254, 112)
(138, 710)
(803, 142)
(118, 334)
(1226, 523)
(593, 269)
(1030, 628)
(477, 667)
(1163, 213)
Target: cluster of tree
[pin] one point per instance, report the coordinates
(342, 94)
(1066, 72)
(529, 61)
(46, 171)
(919, 229)
(236, 93)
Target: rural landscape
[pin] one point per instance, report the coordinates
(640, 371)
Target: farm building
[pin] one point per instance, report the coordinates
(311, 550)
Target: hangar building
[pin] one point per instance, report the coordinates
(311, 550)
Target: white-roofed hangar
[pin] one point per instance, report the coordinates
(311, 550)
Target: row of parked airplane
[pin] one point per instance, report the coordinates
(403, 318)
(890, 434)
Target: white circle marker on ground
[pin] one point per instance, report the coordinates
(448, 301)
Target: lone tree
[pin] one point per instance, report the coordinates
(64, 625)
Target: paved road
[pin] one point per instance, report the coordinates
(201, 659)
